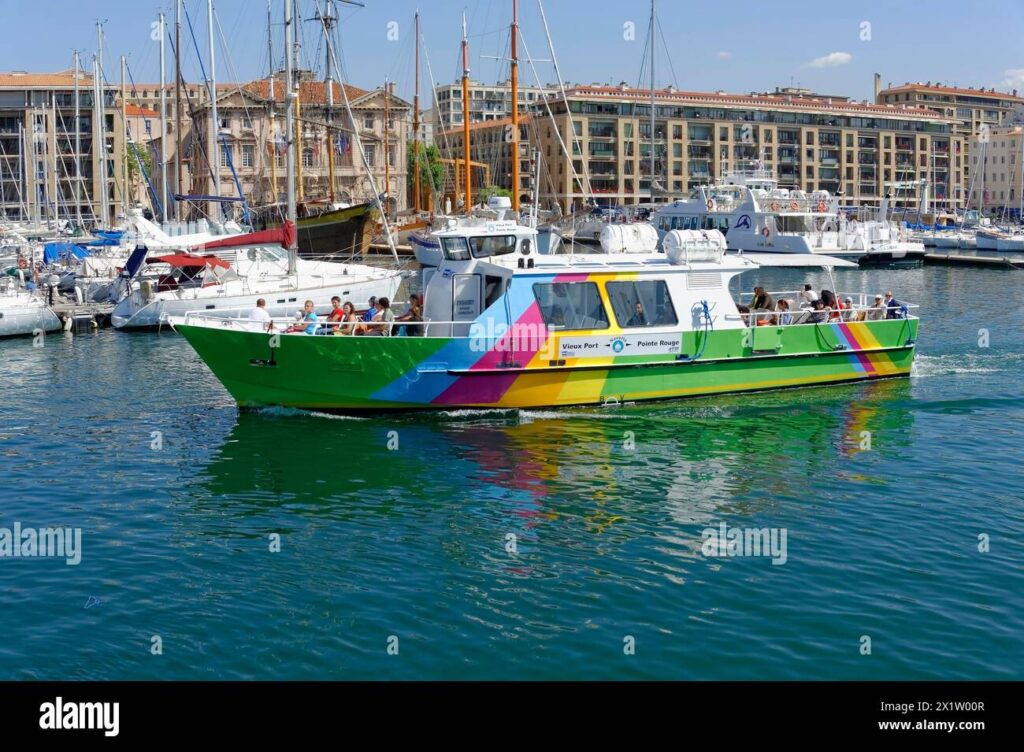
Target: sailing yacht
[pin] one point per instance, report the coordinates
(228, 276)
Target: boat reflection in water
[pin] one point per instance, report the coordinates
(598, 477)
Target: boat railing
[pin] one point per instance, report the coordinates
(862, 301)
(790, 204)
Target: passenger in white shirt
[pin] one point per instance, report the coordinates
(808, 296)
(261, 316)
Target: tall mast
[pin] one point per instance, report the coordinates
(652, 100)
(213, 149)
(289, 113)
(124, 138)
(78, 146)
(272, 105)
(515, 106)
(293, 50)
(387, 145)
(416, 124)
(163, 119)
(328, 24)
(53, 141)
(177, 109)
(100, 129)
(466, 174)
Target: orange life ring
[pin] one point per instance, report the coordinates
(775, 205)
(711, 205)
(821, 206)
(22, 263)
(794, 205)
(765, 231)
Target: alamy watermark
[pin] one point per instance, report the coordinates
(725, 541)
(19, 542)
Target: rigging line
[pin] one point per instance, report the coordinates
(437, 110)
(668, 52)
(565, 100)
(358, 141)
(561, 143)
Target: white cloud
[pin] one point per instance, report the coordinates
(831, 59)
(723, 55)
(1014, 78)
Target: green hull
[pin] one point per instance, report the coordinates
(401, 373)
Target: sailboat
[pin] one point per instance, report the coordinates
(326, 225)
(23, 313)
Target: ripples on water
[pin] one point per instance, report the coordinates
(412, 542)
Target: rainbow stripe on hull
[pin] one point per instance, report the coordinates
(441, 373)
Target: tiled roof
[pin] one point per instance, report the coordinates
(19, 79)
(777, 102)
(953, 90)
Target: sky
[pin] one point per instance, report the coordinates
(738, 46)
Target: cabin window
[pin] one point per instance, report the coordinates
(455, 249)
(642, 303)
(492, 245)
(571, 305)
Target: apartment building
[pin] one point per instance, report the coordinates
(47, 164)
(487, 102)
(974, 111)
(997, 163)
(858, 150)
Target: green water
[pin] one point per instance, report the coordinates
(396, 531)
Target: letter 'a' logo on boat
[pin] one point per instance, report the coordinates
(743, 222)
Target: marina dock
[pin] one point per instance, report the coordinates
(991, 262)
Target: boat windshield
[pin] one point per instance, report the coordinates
(455, 249)
(492, 245)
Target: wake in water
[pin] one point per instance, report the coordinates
(926, 366)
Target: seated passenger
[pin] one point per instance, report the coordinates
(336, 314)
(348, 315)
(808, 296)
(413, 313)
(892, 307)
(819, 313)
(744, 314)
(261, 316)
(639, 318)
(877, 311)
(785, 317)
(307, 322)
(383, 321)
(762, 301)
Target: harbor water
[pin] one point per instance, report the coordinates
(542, 544)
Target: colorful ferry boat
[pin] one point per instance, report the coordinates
(506, 327)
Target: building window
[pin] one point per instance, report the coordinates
(677, 131)
(248, 156)
(371, 155)
(368, 122)
(223, 149)
(723, 134)
(307, 157)
(571, 305)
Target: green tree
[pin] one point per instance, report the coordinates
(483, 195)
(431, 171)
(134, 176)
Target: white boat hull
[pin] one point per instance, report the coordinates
(134, 313)
(23, 316)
